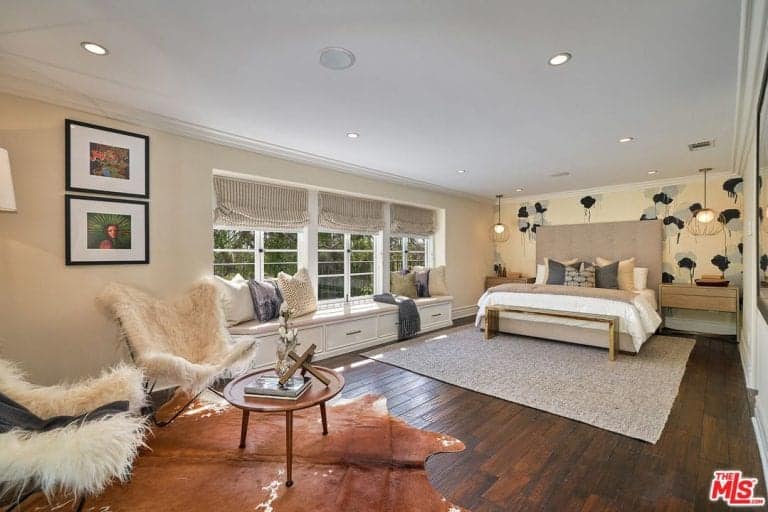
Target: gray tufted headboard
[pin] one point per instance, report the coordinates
(611, 240)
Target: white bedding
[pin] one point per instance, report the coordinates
(640, 319)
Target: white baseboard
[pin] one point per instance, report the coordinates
(464, 311)
(762, 438)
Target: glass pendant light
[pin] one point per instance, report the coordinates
(500, 231)
(705, 222)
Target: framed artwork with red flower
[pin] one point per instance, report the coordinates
(106, 161)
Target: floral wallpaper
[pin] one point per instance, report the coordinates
(685, 257)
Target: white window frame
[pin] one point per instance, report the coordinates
(347, 250)
(259, 250)
(428, 249)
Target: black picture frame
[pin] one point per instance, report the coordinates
(761, 288)
(68, 125)
(68, 198)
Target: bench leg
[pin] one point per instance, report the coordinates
(612, 340)
(491, 323)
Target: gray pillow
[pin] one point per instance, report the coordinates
(422, 282)
(266, 299)
(555, 272)
(607, 276)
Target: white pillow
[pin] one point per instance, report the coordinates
(541, 273)
(641, 278)
(235, 299)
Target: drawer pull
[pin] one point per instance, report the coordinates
(437, 314)
(350, 333)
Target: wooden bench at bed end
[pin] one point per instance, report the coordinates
(492, 321)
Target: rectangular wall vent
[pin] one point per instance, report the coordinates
(704, 144)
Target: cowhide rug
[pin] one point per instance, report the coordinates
(369, 461)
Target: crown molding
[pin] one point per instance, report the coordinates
(64, 97)
(624, 187)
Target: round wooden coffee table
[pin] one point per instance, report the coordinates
(317, 394)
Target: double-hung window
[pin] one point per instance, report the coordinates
(406, 252)
(254, 254)
(346, 265)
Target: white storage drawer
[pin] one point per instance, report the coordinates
(434, 314)
(265, 353)
(387, 325)
(342, 334)
(309, 336)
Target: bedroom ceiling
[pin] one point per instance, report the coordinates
(436, 87)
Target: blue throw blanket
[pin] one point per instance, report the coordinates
(408, 314)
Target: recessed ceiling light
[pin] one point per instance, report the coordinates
(94, 48)
(353, 135)
(519, 189)
(560, 59)
(653, 172)
(336, 58)
(626, 139)
(462, 171)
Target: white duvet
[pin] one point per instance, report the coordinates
(639, 319)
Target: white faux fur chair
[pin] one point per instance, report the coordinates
(183, 343)
(82, 457)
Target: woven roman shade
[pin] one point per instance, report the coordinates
(409, 220)
(350, 213)
(251, 204)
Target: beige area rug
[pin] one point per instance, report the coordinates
(631, 396)
(369, 461)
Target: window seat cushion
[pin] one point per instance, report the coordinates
(331, 314)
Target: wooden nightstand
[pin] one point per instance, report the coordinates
(512, 278)
(703, 298)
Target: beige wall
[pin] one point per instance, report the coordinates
(48, 320)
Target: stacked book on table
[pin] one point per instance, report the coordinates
(268, 386)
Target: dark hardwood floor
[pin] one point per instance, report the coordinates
(519, 458)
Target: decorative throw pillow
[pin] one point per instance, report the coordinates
(235, 299)
(556, 270)
(541, 274)
(626, 274)
(298, 292)
(641, 278)
(403, 284)
(421, 278)
(266, 298)
(607, 276)
(583, 276)
(438, 284)
(570, 262)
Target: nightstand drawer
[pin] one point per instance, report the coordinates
(700, 291)
(702, 302)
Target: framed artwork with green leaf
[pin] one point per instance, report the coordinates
(103, 231)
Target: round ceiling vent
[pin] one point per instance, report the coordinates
(336, 58)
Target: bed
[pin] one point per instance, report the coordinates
(637, 313)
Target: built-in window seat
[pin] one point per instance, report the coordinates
(345, 328)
